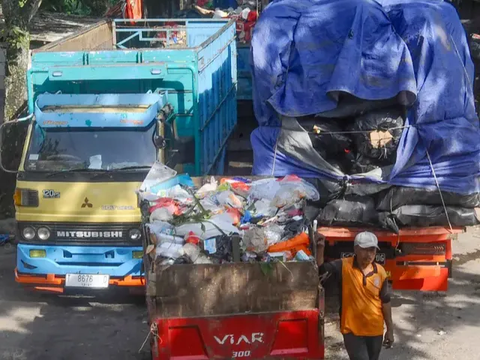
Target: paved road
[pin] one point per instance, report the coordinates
(38, 327)
(41, 327)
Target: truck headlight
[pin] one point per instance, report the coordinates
(28, 233)
(134, 234)
(26, 197)
(43, 233)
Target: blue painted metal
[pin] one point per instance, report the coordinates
(200, 77)
(66, 118)
(62, 260)
(244, 91)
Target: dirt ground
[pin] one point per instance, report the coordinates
(37, 327)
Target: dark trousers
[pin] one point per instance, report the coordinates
(363, 347)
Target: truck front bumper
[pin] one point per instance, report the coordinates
(48, 272)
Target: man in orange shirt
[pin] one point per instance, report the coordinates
(365, 298)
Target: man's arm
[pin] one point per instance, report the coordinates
(385, 296)
(334, 267)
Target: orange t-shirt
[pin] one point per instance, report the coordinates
(362, 312)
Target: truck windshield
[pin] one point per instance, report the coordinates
(63, 149)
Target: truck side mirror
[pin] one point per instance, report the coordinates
(12, 140)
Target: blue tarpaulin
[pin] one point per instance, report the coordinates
(413, 50)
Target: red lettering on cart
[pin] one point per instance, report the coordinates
(254, 337)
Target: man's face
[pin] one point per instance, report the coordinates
(365, 256)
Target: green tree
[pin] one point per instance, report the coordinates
(18, 15)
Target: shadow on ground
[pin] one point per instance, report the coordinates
(37, 326)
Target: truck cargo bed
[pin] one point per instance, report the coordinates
(226, 289)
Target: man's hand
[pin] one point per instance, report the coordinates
(389, 339)
(319, 240)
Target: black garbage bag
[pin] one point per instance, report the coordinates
(395, 197)
(351, 211)
(360, 164)
(339, 165)
(328, 190)
(349, 105)
(327, 135)
(474, 44)
(426, 215)
(377, 133)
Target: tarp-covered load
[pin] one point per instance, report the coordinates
(344, 59)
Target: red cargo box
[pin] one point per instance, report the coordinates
(296, 334)
(236, 310)
(415, 259)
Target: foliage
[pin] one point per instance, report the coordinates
(15, 37)
(78, 7)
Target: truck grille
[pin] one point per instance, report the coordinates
(66, 233)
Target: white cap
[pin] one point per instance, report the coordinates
(366, 240)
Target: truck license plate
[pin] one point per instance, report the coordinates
(87, 281)
(379, 258)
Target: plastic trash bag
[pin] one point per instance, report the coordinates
(353, 210)
(178, 193)
(163, 213)
(169, 250)
(160, 227)
(264, 189)
(183, 179)
(327, 135)
(360, 164)
(193, 253)
(208, 188)
(157, 174)
(229, 198)
(255, 240)
(425, 216)
(217, 225)
(219, 248)
(328, 189)
(379, 133)
(284, 192)
(273, 233)
(395, 197)
(263, 208)
(210, 204)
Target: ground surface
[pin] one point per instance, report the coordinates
(37, 327)
(47, 27)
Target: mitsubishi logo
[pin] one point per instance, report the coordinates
(86, 204)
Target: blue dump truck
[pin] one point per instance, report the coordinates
(104, 105)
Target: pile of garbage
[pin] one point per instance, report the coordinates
(244, 12)
(364, 114)
(230, 220)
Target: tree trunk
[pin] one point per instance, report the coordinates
(17, 15)
(15, 82)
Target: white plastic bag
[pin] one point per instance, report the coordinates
(192, 251)
(229, 198)
(162, 214)
(208, 188)
(169, 250)
(161, 227)
(264, 208)
(273, 233)
(157, 174)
